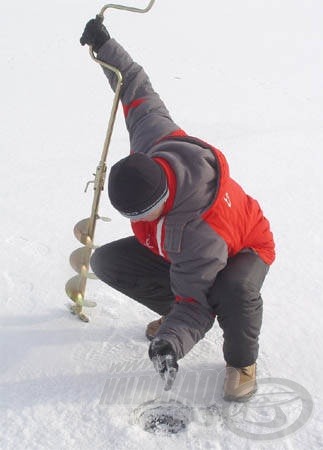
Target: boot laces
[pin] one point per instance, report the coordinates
(245, 370)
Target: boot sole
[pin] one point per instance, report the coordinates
(242, 399)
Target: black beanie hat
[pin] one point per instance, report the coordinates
(136, 185)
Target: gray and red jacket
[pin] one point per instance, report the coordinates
(207, 217)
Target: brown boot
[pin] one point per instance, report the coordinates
(240, 383)
(153, 327)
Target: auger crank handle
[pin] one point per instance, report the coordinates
(126, 8)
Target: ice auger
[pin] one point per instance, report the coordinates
(85, 228)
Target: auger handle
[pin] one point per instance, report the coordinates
(115, 70)
(127, 8)
(101, 170)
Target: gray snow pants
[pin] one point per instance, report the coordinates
(235, 298)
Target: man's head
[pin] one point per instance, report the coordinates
(137, 187)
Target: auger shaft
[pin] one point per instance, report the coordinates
(85, 229)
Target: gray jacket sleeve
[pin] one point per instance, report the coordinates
(147, 118)
(184, 326)
(197, 255)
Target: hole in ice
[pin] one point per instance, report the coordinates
(162, 417)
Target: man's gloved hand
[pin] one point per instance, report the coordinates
(164, 359)
(95, 33)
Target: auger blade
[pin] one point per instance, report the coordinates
(75, 290)
(80, 261)
(81, 232)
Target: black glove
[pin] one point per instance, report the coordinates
(164, 359)
(95, 33)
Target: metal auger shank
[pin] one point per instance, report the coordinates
(84, 229)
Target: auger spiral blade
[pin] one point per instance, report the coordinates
(80, 261)
(81, 232)
(75, 288)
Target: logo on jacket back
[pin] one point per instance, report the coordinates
(148, 242)
(227, 199)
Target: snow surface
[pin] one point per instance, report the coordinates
(247, 77)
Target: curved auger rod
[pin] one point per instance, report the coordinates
(84, 229)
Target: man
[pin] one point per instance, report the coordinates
(201, 247)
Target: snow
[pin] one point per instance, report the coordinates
(247, 77)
